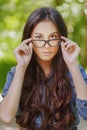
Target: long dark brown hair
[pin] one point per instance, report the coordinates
(45, 106)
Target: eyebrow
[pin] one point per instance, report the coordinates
(51, 33)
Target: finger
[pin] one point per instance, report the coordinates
(64, 38)
(23, 49)
(26, 46)
(65, 44)
(63, 48)
(27, 41)
(69, 45)
(30, 48)
(30, 45)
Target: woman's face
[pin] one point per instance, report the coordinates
(45, 30)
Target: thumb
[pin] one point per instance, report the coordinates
(30, 47)
(62, 47)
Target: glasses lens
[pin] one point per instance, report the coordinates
(41, 43)
(38, 43)
(54, 42)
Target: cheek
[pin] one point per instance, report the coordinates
(55, 50)
(36, 50)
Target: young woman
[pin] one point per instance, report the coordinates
(47, 89)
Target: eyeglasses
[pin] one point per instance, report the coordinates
(42, 43)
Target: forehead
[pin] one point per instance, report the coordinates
(44, 27)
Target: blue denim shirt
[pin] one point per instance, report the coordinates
(78, 106)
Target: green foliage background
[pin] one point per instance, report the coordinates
(13, 14)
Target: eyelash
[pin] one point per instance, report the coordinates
(53, 36)
(38, 37)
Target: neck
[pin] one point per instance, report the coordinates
(46, 66)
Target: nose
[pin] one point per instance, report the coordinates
(46, 44)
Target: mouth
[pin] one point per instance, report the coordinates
(46, 53)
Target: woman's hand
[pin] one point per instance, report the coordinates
(23, 53)
(70, 51)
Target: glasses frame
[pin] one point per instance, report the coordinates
(47, 42)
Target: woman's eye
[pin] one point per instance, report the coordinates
(53, 37)
(38, 37)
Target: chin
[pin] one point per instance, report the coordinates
(46, 58)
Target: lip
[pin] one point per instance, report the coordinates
(46, 53)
